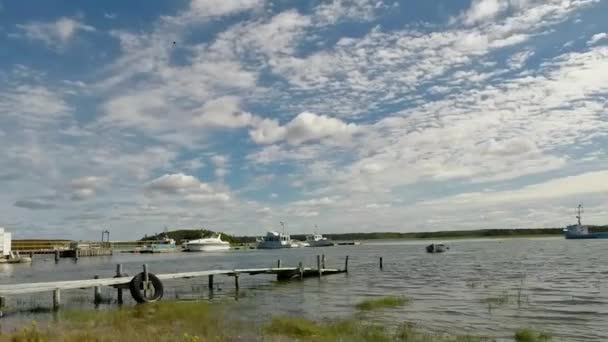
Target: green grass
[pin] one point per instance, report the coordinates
(381, 303)
(530, 335)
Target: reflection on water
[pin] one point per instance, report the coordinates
(489, 287)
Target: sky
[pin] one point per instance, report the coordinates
(352, 115)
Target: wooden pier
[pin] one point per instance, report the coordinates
(146, 286)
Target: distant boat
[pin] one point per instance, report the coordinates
(579, 231)
(317, 240)
(207, 244)
(436, 248)
(275, 240)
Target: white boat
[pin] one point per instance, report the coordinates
(317, 240)
(276, 240)
(207, 244)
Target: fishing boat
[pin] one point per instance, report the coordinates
(207, 244)
(317, 240)
(579, 231)
(437, 248)
(275, 240)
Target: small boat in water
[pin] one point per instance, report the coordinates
(275, 240)
(579, 231)
(207, 244)
(317, 240)
(436, 248)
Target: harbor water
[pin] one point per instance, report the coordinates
(487, 287)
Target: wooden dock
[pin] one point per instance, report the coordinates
(145, 286)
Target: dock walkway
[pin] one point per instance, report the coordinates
(148, 281)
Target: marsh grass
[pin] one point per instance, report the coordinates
(381, 303)
(530, 335)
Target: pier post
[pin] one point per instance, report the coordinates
(146, 280)
(76, 254)
(57, 255)
(2, 304)
(119, 289)
(279, 263)
(323, 261)
(236, 281)
(381, 265)
(346, 264)
(96, 293)
(319, 266)
(32, 256)
(56, 299)
(211, 282)
(301, 269)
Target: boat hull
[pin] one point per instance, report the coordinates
(264, 245)
(207, 248)
(321, 243)
(586, 236)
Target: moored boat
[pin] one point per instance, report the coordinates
(275, 240)
(437, 248)
(317, 240)
(579, 231)
(207, 244)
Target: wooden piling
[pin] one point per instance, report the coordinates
(56, 299)
(119, 289)
(96, 293)
(346, 264)
(211, 282)
(323, 261)
(236, 281)
(279, 263)
(381, 265)
(76, 254)
(32, 256)
(319, 265)
(57, 255)
(301, 269)
(2, 303)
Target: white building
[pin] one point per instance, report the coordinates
(5, 243)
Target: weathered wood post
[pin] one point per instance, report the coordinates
(236, 281)
(57, 255)
(2, 304)
(279, 263)
(211, 282)
(56, 299)
(76, 254)
(301, 269)
(381, 266)
(346, 264)
(146, 280)
(319, 265)
(323, 261)
(119, 289)
(32, 256)
(96, 293)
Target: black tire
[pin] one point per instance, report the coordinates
(136, 288)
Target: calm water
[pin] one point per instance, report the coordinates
(552, 284)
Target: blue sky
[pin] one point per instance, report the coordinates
(354, 115)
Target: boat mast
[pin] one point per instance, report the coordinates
(579, 211)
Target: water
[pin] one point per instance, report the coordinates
(551, 284)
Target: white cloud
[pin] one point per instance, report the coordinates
(35, 204)
(176, 183)
(518, 60)
(222, 164)
(213, 8)
(482, 10)
(304, 127)
(597, 37)
(54, 34)
(85, 188)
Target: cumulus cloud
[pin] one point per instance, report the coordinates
(35, 204)
(213, 8)
(56, 33)
(187, 187)
(304, 127)
(85, 188)
(597, 37)
(482, 10)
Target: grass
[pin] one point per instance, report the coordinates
(194, 321)
(300, 329)
(381, 303)
(530, 335)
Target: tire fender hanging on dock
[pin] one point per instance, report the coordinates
(136, 286)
